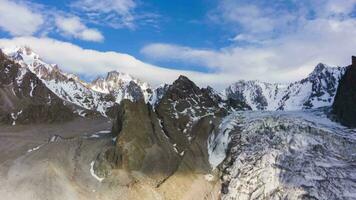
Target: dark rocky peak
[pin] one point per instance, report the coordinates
(134, 92)
(318, 68)
(182, 88)
(118, 76)
(112, 75)
(182, 106)
(186, 93)
(344, 106)
(184, 81)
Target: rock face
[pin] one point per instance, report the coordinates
(344, 104)
(183, 105)
(170, 126)
(24, 98)
(141, 142)
(317, 90)
(166, 143)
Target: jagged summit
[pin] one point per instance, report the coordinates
(102, 95)
(316, 90)
(115, 75)
(123, 86)
(319, 68)
(182, 79)
(113, 81)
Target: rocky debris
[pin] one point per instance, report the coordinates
(26, 99)
(317, 90)
(285, 156)
(344, 106)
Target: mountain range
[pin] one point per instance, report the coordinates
(103, 95)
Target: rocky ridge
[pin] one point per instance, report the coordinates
(102, 95)
(317, 90)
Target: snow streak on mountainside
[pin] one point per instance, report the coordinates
(284, 155)
(317, 90)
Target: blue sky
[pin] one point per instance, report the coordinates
(213, 42)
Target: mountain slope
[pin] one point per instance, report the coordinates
(25, 98)
(317, 90)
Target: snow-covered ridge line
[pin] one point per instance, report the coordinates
(100, 95)
(317, 90)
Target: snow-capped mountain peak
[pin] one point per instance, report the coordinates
(122, 85)
(67, 86)
(113, 80)
(100, 95)
(317, 90)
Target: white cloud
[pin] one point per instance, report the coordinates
(287, 58)
(283, 42)
(72, 26)
(18, 19)
(338, 7)
(74, 59)
(116, 13)
(170, 52)
(249, 19)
